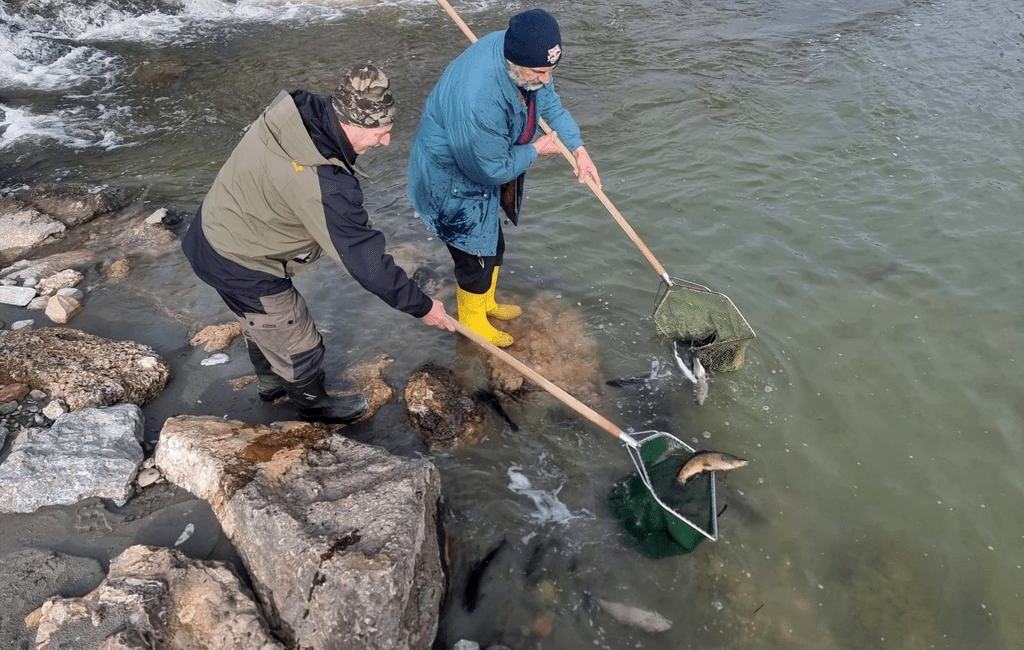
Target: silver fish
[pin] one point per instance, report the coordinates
(708, 461)
(643, 619)
(693, 370)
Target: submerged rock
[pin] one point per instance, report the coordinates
(20, 325)
(552, 339)
(158, 598)
(217, 337)
(82, 369)
(73, 204)
(61, 309)
(369, 380)
(38, 303)
(71, 292)
(340, 538)
(118, 269)
(25, 229)
(441, 410)
(65, 279)
(89, 453)
(215, 359)
(29, 577)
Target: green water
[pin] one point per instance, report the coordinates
(847, 172)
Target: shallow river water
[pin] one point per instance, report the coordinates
(848, 171)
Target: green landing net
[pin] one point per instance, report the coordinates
(708, 319)
(663, 517)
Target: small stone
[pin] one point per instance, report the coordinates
(19, 324)
(37, 396)
(157, 217)
(215, 359)
(8, 408)
(149, 462)
(64, 279)
(37, 303)
(17, 296)
(8, 282)
(61, 309)
(39, 419)
(148, 363)
(464, 644)
(71, 292)
(148, 477)
(30, 281)
(13, 393)
(55, 409)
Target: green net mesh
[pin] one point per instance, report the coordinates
(707, 318)
(656, 532)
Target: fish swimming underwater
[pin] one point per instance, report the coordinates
(643, 619)
(708, 461)
(471, 593)
(693, 370)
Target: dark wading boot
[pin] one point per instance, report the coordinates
(269, 386)
(315, 405)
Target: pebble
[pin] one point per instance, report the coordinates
(148, 477)
(61, 309)
(149, 462)
(39, 419)
(215, 359)
(55, 409)
(8, 408)
(148, 363)
(465, 644)
(71, 292)
(18, 324)
(37, 396)
(30, 281)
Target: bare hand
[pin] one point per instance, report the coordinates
(438, 317)
(585, 167)
(546, 146)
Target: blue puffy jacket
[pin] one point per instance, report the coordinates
(464, 148)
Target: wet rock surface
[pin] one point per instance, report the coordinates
(82, 369)
(23, 230)
(89, 453)
(217, 337)
(73, 204)
(551, 338)
(43, 267)
(157, 598)
(441, 410)
(17, 296)
(29, 577)
(362, 564)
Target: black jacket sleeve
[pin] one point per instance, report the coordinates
(360, 247)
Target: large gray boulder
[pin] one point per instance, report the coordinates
(88, 453)
(82, 369)
(157, 598)
(29, 577)
(340, 538)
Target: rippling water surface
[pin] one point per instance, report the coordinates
(847, 171)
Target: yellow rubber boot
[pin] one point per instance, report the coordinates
(473, 314)
(501, 311)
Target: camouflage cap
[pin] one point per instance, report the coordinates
(363, 97)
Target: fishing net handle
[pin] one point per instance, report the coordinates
(594, 187)
(537, 378)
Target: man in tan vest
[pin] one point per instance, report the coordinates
(288, 193)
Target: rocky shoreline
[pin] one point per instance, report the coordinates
(340, 544)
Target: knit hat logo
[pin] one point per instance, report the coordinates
(363, 97)
(554, 54)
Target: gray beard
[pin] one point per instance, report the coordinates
(525, 85)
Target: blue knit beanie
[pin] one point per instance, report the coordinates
(532, 39)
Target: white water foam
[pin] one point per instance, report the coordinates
(72, 128)
(549, 509)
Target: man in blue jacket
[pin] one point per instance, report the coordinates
(473, 147)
